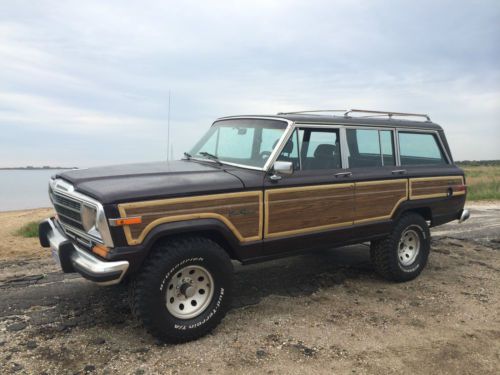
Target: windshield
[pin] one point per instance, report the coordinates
(243, 141)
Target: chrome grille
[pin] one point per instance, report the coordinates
(70, 207)
(70, 203)
(68, 210)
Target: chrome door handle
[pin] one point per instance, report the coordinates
(343, 174)
(399, 171)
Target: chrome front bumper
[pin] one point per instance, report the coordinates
(74, 259)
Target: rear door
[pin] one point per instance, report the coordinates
(379, 185)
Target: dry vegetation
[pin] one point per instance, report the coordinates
(483, 182)
(14, 232)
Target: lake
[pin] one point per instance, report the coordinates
(22, 189)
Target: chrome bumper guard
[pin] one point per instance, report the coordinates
(464, 215)
(71, 258)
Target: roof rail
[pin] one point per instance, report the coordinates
(314, 111)
(386, 113)
(390, 114)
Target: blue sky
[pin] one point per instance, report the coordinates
(86, 83)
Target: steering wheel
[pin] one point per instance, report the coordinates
(265, 155)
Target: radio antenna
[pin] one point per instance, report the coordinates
(168, 128)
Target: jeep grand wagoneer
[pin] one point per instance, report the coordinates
(254, 188)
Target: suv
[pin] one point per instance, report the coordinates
(252, 189)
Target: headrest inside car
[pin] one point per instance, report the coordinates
(324, 151)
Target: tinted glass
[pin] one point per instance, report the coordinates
(235, 142)
(367, 142)
(246, 141)
(318, 148)
(370, 148)
(420, 149)
(387, 147)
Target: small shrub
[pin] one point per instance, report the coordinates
(28, 230)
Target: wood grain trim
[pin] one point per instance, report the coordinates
(279, 191)
(414, 196)
(377, 218)
(122, 208)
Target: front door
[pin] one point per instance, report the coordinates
(318, 196)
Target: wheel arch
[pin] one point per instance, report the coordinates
(213, 229)
(421, 208)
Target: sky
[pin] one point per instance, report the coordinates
(86, 83)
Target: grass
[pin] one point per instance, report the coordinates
(483, 182)
(28, 230)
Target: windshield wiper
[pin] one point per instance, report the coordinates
(210, 156)
(187, 155)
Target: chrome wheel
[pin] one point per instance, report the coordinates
(409, 247)
(189, 292)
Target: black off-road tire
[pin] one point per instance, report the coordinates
(148, 290)
(387, 258)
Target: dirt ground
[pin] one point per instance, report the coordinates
(13, 246)
(325, 312)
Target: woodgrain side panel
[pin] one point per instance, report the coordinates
(308, 209)
(435, 187)
(241, 212)
(377, 200)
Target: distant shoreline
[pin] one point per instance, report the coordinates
(34, 168)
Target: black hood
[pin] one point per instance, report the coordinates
(145, 181)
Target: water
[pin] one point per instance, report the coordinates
(22, 189)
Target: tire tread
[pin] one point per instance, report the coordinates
(381, 250)
(141, 286)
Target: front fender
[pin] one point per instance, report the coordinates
(136, 254)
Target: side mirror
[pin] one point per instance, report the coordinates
(280, 168)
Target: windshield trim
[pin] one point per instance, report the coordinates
(274, 153)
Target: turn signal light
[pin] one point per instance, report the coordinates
(125, 221)
(100, 250)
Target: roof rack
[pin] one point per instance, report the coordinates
(386, 113)
(390, 114)
(314, 111)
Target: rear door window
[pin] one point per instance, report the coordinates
(420, 149)
(370, 148)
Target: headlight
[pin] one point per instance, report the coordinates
(89, 215)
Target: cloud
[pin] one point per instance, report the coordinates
(97, 75)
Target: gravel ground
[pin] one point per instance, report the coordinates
(326, 312)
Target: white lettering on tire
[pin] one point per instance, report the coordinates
(207, 318)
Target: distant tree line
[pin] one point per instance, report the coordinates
(478, 163)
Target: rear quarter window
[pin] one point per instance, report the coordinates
(420, 149)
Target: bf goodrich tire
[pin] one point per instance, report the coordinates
(403, 254)
(183, 290)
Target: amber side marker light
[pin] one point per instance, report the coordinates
(100, 250)
(125, 221)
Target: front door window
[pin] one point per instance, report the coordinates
(313, 149)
